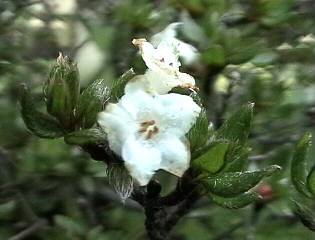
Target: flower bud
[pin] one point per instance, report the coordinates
(266, 192)
(62, 91)
(120, 179)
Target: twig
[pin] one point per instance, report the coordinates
(228, 233)
(30, 230)
(181, 210)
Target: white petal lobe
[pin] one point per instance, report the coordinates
(141, 160)
(175, 155)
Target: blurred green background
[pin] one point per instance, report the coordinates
(261, 51)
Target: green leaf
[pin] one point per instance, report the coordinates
(236, 130)
(40, 124)
(85, 137)
(232, 184)
(311, 181)
(236, 158)
(239, 201)
(305, 214)
(197, 136)
(119, 86)
(62, 90)
(91, 102)
(237, 127)
(299, 165)
(213, 159)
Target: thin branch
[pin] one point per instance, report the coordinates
(30, 230)
(229, 231)
(183, 208)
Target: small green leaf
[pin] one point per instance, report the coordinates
(119, 86)
(232, 184)
(62, 90)
(197, 136)
(213, 159)
(305, 214)
(239, 201)
(40, 124)
(86, 137)
(237, 127)
(236, 158)
(311, 181)
(298, 165)
(91, 102)
(236, 130)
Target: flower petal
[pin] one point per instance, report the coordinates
(118, 124)
(175, 154)
(139, 82)
(187, 52)
(141, 160)
(140, 104)
(179, 113)
(163, 58)
(168, 33)
(161, 82)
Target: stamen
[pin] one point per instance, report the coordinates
(149, 135)
(148, 128)
(152, 132)
(155, 130)
(147, 123)
(142, 130)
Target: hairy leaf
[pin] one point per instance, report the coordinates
(311, 181)
(118, 87)
(197, 136)
(91, 102)
(40, 124)
(305, 214)
(239, 201)
(213, 159)
(237, 127)
(299, 165)
(85, 137)
(232, 184)
(239, 161)
(62, 90)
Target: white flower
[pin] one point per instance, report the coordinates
(187, 52)
(158, 82)
(163, 65)
(149, 132)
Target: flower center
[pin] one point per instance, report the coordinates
(148, 129)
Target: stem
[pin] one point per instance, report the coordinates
(29, 231)
(163, 213)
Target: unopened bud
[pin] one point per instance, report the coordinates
(62, 90)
